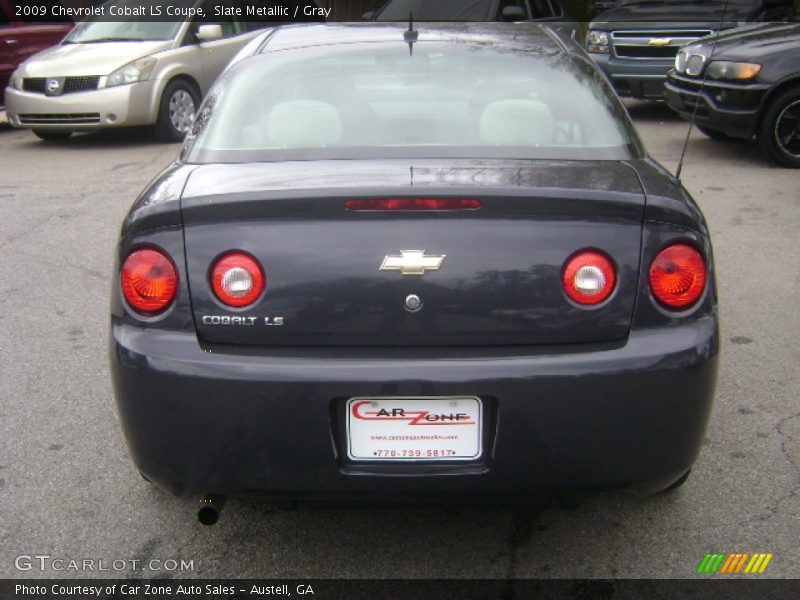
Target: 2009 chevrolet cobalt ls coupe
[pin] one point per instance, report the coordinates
(414, 263)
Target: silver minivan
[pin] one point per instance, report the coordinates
(120, 73)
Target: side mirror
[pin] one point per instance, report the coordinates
(209, 33)
(514, 13)
(368, 16)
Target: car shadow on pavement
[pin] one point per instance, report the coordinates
(734, 152)
(534, 539)
(650, 110)
(107, 139)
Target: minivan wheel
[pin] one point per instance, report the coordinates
(52, 136)
(176, 114)
(779, 136)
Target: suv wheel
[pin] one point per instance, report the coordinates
(177, 111)
(780, 129)
(51, 136)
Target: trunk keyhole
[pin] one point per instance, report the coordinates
(413, 303)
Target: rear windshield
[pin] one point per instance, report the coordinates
(381, 100)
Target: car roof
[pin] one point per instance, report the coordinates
(525, 35)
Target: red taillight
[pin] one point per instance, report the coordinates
(678, 276)
(589, 277)
(413, 204)
(237, 279)
(149, 281)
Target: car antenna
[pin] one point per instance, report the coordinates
(411, 35)
(700, 91)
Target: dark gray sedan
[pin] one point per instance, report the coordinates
(397, 263)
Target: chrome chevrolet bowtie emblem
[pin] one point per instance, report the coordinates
(412, 262)
(660, 41)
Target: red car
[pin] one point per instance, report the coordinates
(22, 35)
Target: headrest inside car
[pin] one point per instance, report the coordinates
(517, 123)
(304, 124)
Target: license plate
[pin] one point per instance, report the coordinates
(414, 429)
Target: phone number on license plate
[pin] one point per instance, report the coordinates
(414, 453)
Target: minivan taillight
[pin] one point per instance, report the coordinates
(149, 281)
(678, 276)
(237, 279)
(589, 277)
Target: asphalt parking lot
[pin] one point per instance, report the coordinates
(68, 490)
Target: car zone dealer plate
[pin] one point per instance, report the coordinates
(414, 429)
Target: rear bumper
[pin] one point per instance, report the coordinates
(730, 108)
(633, 78)
(628, 416)
(119, 106)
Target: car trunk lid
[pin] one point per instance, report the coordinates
(498, 280)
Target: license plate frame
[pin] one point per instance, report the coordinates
(404, 431)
